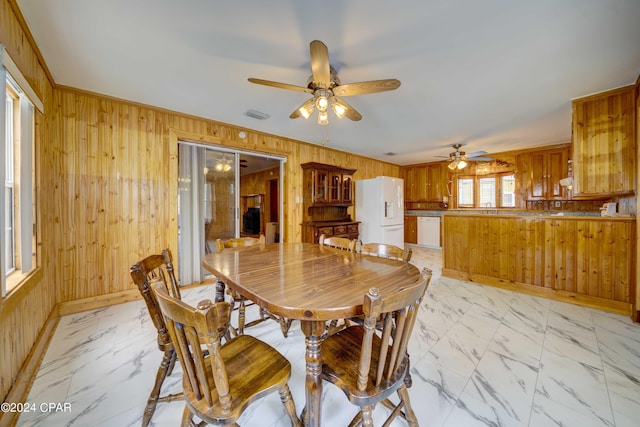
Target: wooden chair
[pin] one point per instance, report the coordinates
(369, 364)
(157, 267)
(239, 302)
(338, 242)
(221, 382)
(385, 250)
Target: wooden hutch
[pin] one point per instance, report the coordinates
(328, 193)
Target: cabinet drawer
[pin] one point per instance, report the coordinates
(327, 231)
(353, 228)
(339, 229)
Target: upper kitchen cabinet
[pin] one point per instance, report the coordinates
(425, 183)
(542, 172)
(604, 157)
(328, 185)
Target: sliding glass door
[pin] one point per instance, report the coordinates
(223, 194)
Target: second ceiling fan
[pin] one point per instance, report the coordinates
(459, 158)
(327, 90)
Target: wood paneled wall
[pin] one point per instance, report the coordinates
(108, 174)
(24, 312)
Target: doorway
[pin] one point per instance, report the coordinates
(223, 194)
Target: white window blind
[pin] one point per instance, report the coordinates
(487, 192)
(465, 192)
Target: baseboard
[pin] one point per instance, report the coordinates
(558, 295)
(21, 387)
(80, 305)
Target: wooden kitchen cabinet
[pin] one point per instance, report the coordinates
(604, 132)
(545, 170)
(328, 194)
(328, 185)
(411, 229)
(425, 183)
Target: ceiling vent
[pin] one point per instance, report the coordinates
(257, 114)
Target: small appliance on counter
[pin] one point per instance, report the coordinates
(608, 209)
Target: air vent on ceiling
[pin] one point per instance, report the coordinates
(390, 153)
(257, 114)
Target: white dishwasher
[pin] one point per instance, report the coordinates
(429, 231)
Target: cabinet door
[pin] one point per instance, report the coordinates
(434, 183)
(538, 176)
(411, 229)
(410, 193)
(557, 166)
(335, 187)
(347, 188)
(421, 184)
(320, 186)
(604, 143)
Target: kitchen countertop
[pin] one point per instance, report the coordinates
(506, 212)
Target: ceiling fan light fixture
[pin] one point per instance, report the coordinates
(323, 118)
(306, 110)
(322, 100)
(453, 165)
(462, 164)
(339, 108)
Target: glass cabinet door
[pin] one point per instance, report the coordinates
(320, 186)
(347, 188)
(335, 190)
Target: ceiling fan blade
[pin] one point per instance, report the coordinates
(480, 159)
(280, 85)
(320, 64)
(308, 104)
(361, 88)
(350, 112)
(476, 153)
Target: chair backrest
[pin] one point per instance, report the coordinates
(156, 268)
(239, 242)
(385, 250)
(338, 242)
(189, 328)
(397, 315)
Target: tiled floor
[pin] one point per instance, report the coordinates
(480, 356)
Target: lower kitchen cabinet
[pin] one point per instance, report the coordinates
(411, 229)
(311, 231)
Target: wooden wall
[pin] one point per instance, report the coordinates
(108, 174)
(24, 312)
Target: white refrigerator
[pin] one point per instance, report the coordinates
(380, 209)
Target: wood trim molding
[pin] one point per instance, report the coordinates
(84, 304)
(557, 295)
(24, 380)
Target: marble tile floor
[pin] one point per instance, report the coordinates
(480, 357)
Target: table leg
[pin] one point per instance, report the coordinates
(219, 290)
(313, 330)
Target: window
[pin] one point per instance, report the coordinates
(487, 191)
(17, 163)
(508, 191)
(465, 192)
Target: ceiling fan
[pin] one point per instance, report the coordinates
(459, 158)
(326, 88)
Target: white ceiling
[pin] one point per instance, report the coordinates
(494, 75)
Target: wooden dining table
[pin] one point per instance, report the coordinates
(310, 283)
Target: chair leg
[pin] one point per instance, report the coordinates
(289, 407)
(241, 316)
(409, 415)
(163, 371)
(186, 417)
(367, 415)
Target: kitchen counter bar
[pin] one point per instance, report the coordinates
(588, 260)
